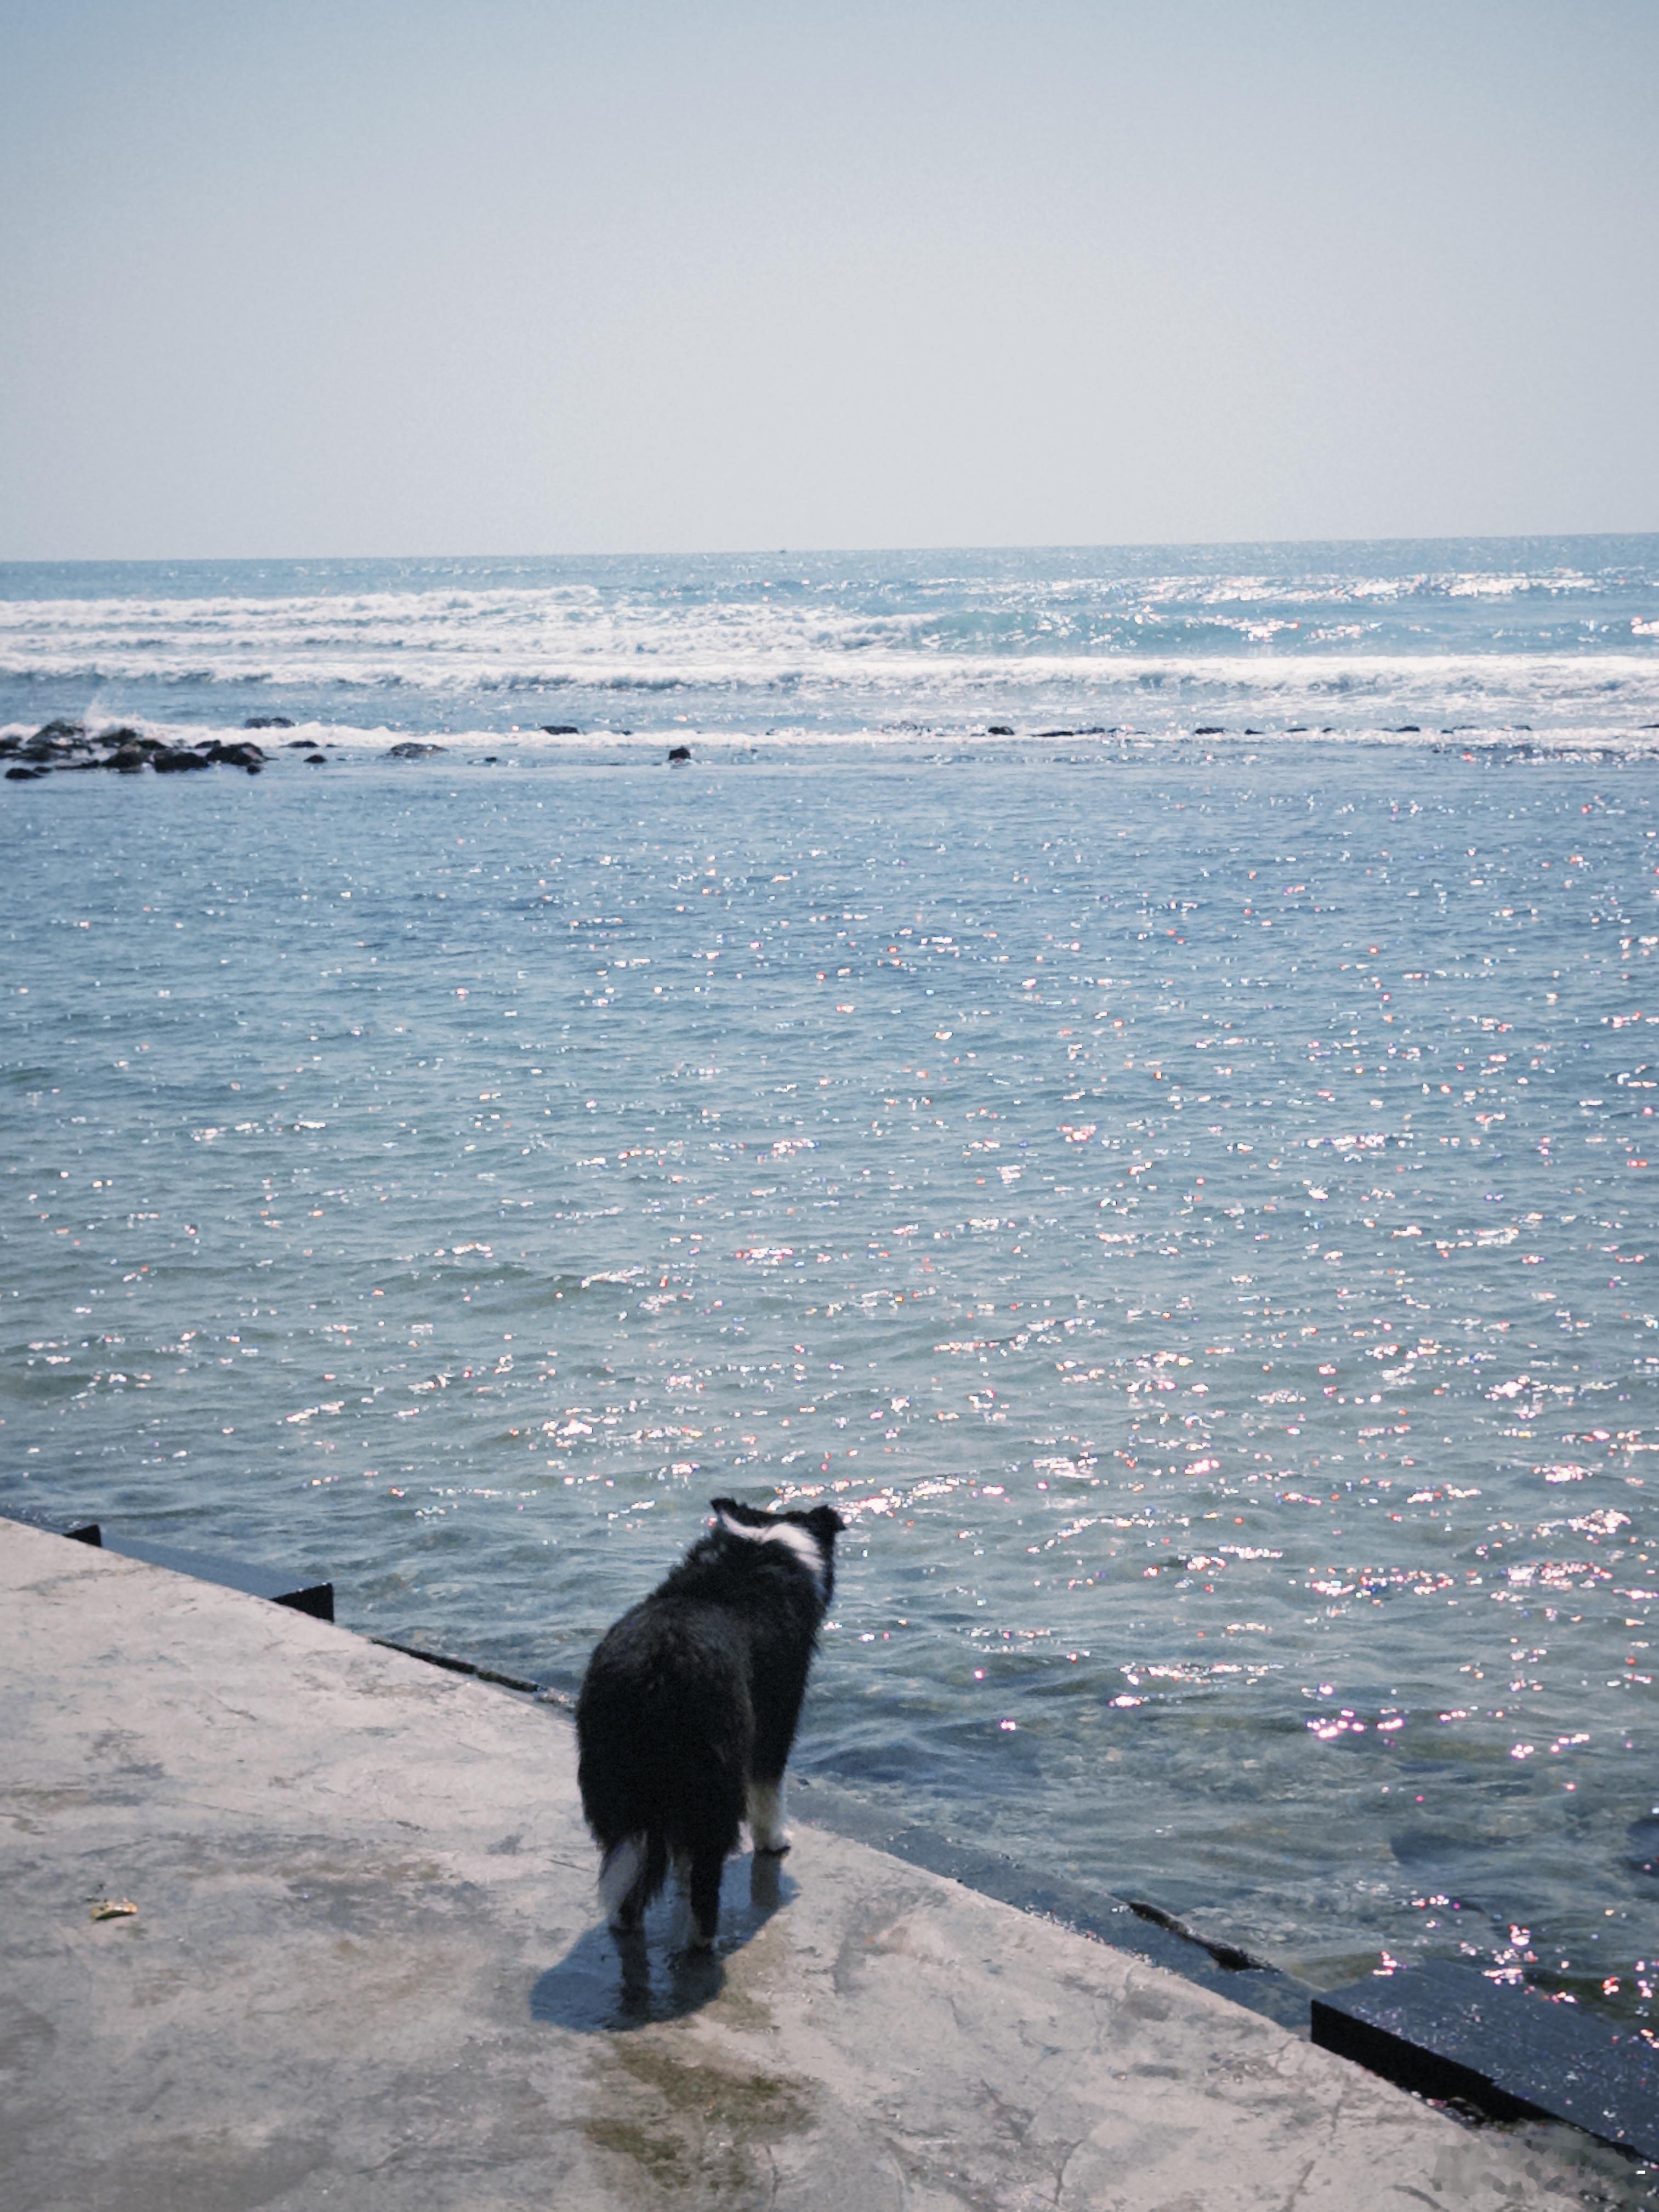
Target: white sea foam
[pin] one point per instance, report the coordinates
(869, 646)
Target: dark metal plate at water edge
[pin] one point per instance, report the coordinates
(1447, 2031)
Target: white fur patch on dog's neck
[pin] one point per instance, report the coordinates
(790, 1534)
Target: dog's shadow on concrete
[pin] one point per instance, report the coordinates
(605, 1983)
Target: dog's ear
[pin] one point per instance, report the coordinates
(825, 1522)
(724, 1505)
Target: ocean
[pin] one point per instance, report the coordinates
(1124, 1071)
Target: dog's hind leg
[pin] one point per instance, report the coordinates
(705, 1864)
(633, 1873)
(767, 1828)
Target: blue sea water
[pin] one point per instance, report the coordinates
(1177, 1172)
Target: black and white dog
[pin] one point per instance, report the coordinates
(690, 1703)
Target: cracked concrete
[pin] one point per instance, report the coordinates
(366, 1969)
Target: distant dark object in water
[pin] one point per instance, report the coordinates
(301, 745)
(52, 733)
(268, 722)
(1643, 1837)
(25, 775)
(316, 760)
(411, 748)
(174, 760)
(679, 756)
(51, 749)
(1000, 730)
(1424, 1846)
(561, 729)
(1209, 730)
(1406, 730)
(246, 755)
(1255, 733)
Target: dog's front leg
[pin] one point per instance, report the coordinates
(767, 1828)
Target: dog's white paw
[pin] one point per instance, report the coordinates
(767, 1829)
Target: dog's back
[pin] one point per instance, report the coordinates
(666, 1724)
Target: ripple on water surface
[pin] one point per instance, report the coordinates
(1162, 1213)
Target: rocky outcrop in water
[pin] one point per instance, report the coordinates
(410, 748)
(67, 746)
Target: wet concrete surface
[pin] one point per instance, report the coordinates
(365, 1968)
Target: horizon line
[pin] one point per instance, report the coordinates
(842, 552)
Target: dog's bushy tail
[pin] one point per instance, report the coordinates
(631, 1873)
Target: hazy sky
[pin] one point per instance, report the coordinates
(337, 277)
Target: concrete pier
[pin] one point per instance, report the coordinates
(366, 1969)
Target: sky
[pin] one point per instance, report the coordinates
(314, 278)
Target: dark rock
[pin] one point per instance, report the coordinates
(128, 760)
(25, 775)
(1000, 730)
(173, 760)
(268, 722)
(410, 748)
(562, 729)
(316, 760)
(54, 731)
(1209, 730)
(9, 745)
(301, 745)
(243, 755)
(1447, 2031)
(679, 756)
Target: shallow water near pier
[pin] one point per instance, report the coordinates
(1162, 1203)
